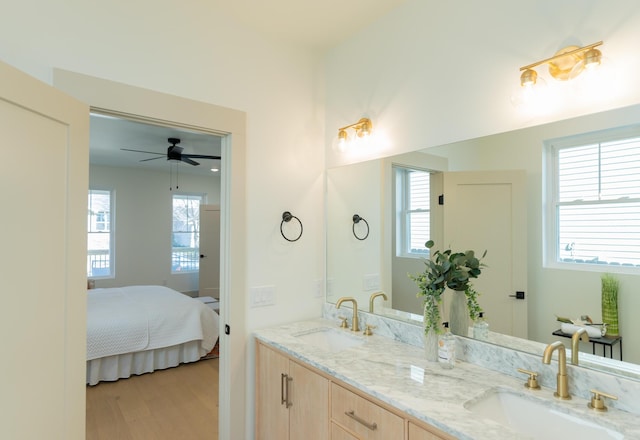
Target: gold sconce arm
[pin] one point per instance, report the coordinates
(563, 54)
(565, 64)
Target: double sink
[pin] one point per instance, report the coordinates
(535, 417)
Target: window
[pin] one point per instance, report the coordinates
(594, 209)
(412, 211)
(100, 239)
(185, 239)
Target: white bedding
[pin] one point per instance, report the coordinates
(140, 318)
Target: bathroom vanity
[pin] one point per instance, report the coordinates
(315, 380)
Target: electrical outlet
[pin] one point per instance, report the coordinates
(330, 287)
(371, 282)
(262, 296)
(268, 295)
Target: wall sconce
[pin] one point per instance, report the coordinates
(362, 129)
(566, 64)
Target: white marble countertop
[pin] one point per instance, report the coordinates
(399, 375)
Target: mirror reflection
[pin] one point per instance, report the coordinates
(360, 268)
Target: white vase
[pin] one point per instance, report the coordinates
(431, 346)
(459, 314)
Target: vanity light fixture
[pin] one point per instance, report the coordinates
(362, 129)
(566, 64)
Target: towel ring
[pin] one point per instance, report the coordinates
(356, 219)
(286, 217)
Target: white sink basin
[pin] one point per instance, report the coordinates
(537, 418)
(330, 339)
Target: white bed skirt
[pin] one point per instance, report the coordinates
(116, 367)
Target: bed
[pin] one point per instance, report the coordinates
(138, 329)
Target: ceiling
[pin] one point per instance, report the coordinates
(311, 24)
(109, 135)
(315, 25)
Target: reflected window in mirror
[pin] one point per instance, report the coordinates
(594, 191)
(412, 202)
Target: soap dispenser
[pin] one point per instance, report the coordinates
(481, 328)
(447, 348)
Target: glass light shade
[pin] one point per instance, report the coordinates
(529, 94)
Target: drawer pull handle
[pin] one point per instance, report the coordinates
(283, 392)
(288, 402)
(372, 426)
(285, 380)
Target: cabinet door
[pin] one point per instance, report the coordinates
(418, 433)
(366, 419)
(337, 433)
(309, 399)
(272, 416)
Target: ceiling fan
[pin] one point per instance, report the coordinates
(174, 152)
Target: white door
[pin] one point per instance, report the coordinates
(209, 273)
(44, 178)
(487, 211)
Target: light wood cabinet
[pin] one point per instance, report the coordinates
(418, 433)
(337, 433)
(292, 402)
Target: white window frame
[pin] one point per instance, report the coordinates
(202, 198)
(551, 258)
(403, 213)
(111, 223)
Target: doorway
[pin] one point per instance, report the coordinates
(120, 100)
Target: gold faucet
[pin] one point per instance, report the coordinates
(562, 390)
(354, 321)
(374, 296)
(581, 333)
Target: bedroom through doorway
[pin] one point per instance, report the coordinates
(152, 223)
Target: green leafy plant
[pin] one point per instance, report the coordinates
(447, 269)
(610, 303)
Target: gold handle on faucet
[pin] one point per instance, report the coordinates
(532, 382)
(596, 400)
(367, 331)
(343, 324)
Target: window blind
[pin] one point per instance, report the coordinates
(598, 203)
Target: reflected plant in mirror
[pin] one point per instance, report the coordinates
(453, 270)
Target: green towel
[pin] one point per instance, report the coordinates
(610, 304)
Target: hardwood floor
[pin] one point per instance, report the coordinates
(178, 403)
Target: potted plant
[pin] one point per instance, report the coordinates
(453, 270)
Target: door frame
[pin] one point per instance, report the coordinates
(148, 106)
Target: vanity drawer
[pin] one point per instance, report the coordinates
(362, 417)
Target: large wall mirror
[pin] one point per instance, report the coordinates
(371, 190)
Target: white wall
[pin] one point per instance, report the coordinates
(142, 225)
(191, 49)
(551, 291)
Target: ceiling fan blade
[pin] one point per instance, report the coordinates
(153, 158)
(201, 156)
(141, 151)
(189, 161)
